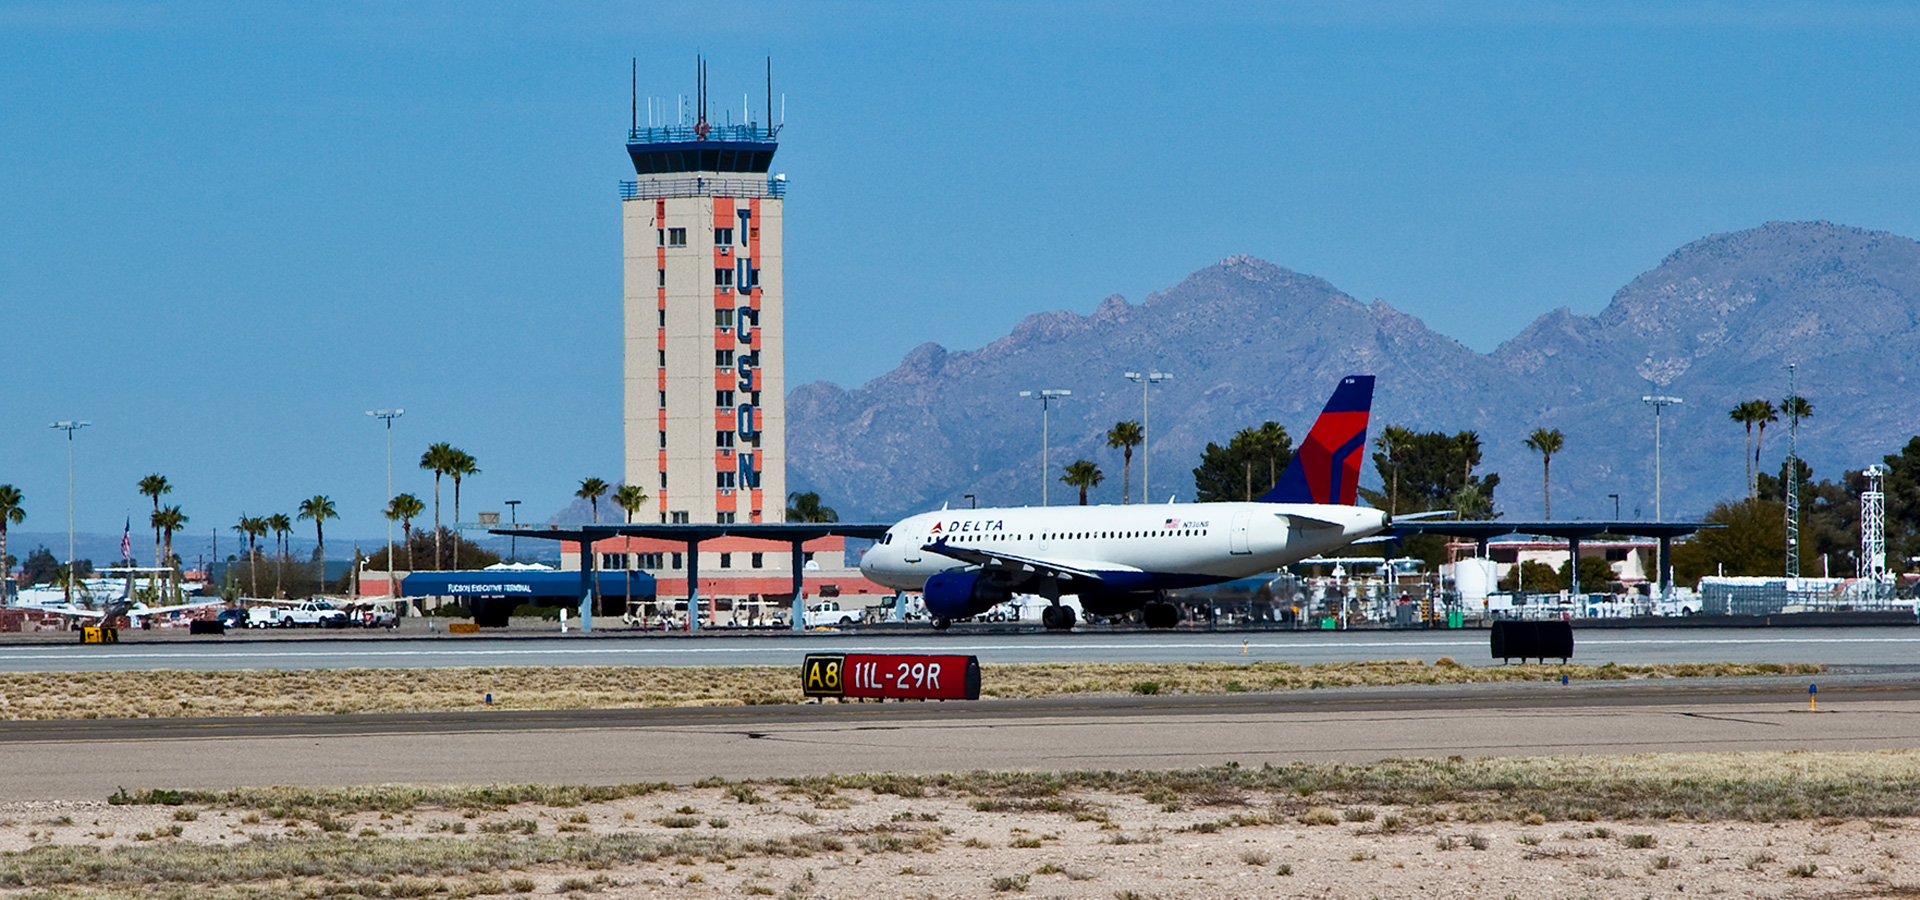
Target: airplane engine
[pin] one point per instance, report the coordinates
(957, 595)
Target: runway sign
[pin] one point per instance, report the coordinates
(94, 634)
(890, 675)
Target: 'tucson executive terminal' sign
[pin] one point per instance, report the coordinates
(884, 675)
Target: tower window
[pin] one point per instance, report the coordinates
(680, 517)
(663, 359)
(723, 277)
(660, 237)
(721, 439)
(722, 359)
(724, 518)
(663, 313)
(726, 560)
(723, 318)
(676, 560)
(663, 440)
(662, 282)
(759, 560)
(723, 237)
(663, 481)
(722, 399)
(649, 560)
(723, 480)
(663, 399)
(676, 237)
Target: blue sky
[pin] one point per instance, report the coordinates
(227, 229)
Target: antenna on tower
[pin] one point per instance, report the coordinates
(769, 96)
(634, 123)
(700, 127)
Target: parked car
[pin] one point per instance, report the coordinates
(375, 617)
(232, 618)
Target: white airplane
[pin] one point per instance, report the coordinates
(1117, 558)
(134, 612)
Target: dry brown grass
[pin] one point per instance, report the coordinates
(89, 695)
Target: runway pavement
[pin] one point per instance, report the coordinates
(88, 760)
(1872, 646)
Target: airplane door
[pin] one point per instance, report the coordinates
(911, 552)
(1237, 534)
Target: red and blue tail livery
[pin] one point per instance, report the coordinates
(1326, 468)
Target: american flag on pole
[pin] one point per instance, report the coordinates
(126, 540)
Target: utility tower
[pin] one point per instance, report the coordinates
(1873, 528)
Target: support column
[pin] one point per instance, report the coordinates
(693, 585)
(799, 604)
(589, 583)
(1573, 565)
(1666, 566)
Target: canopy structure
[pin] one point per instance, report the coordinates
(529, 585)
(1481, 530)
(793, 533)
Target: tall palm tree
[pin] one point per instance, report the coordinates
(319, 508)
(1082, 474)
(402, 509)
(460, 464)
(1126, 436)
(1796, 407)
(153, 486)
(252, 528)
(1468, 443)
(1764, 414)
(805, 507)
(170, 520)
(11, 513)
(282, 529)
(590, 490)
(439, 460)
(630, 497)
(1746, 414)
(1394, 441)
(1546, 443)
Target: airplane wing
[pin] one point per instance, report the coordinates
(1015, 568)
(72, 611)
(160, 610)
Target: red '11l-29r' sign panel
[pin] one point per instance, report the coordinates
(884, 675)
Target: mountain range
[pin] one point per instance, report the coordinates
(1715, 324)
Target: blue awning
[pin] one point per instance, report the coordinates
(522, 584)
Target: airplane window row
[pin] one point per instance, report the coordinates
(1071, 536)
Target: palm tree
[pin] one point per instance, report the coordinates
(460, 464)
(630, 497)
(1546, 443)
(590, 490)
(1393, 441)
(1764, 414)
(1082, 474)
(282, 529)
(153, 486)
(170, 520)
(319, 508)
(1796, 408)
(439, 460)
(1126, 436)
(252, 528)
(402, 509)
(806, 508)
(1468, 442)
(1746, 414)
(11, 513)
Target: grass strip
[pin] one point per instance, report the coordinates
(272, 692)
(1748, 787)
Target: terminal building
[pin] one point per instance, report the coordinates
(704, 410)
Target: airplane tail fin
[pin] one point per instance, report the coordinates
(1326, 467)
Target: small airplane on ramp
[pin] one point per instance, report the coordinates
(1116, 559)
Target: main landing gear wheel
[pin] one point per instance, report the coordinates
(1160, 615)
(1057, 618)
(942, 623)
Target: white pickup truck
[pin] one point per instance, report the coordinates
(829, 613)
(311, 612)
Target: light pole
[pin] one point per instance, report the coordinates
(388, 415)
(513, 541)
(972, 503)
(1616, 506)
(70, 428)
(1046, 399)
(1658, 403)
(1145, 380)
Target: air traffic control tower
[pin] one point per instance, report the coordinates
(705, 386)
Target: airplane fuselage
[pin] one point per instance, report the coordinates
(1130, 548)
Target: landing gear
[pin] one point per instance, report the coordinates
(1057, 618)
(1160, 615)
(942, 623)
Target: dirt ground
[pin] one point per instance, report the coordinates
(858, 844)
